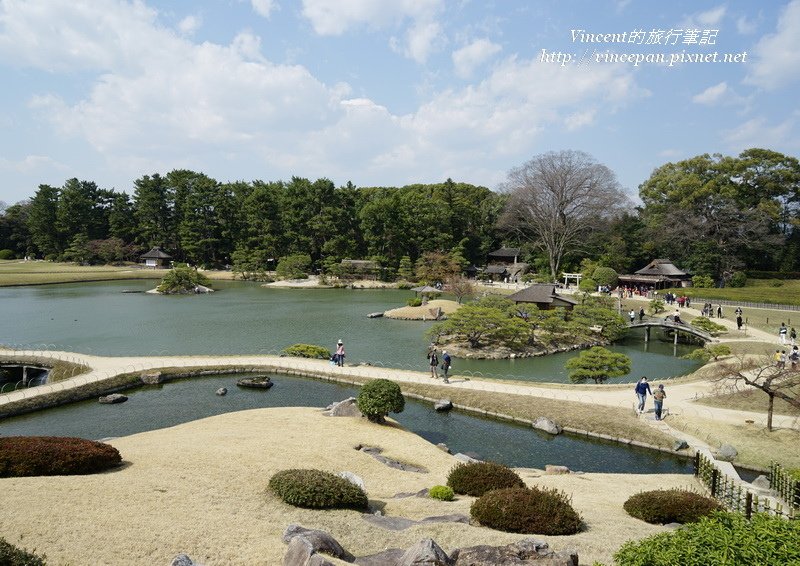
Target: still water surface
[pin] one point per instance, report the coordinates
(246, 318)
(150, 408)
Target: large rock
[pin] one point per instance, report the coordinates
(727, 453)
(352, 478)
(425, 553)
(318, 541)
(761, 482)
(556, 470)
(680, 445)
(113, 399)
(255, 382)
(465, 458)
(522, 552)
(222, 391)
(546, 425)
(388, 556)
(182, 560)
(152, 378)
(443, 405)
(301, 553)
(346, 408)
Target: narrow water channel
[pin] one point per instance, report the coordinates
(150, 408)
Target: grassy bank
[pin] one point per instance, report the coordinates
(17, 272)
(753, 400)
(773, 291)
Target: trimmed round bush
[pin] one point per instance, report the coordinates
(441, 492)
(378, 398)
(307, 351)
(476, 478)
(529, 511)
(720, 538)
(317, 489)
(7, 254)
(664, 506)
(22, 456)
(10, 555)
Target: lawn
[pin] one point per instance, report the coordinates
(773, 291)
(754, 400)
(17, 272)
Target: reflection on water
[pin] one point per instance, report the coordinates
(150, 408)
(243, 317)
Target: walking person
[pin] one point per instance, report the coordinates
(794, 357)
(738, 321)
(339, 355)
(719, 311)
(782, 332)
(793, 336)
(632, 316)
(642, 389)
(446, 363)
(658, 400)
(641, 314)
(433, 361)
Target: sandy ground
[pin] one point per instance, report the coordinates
(313, 282)
(424, 312)
(201, 488)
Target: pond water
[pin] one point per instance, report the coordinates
(150, 408)
(246, 318)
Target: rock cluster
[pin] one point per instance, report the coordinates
(305, 546)
(346, 408)
(546, 425)
(113, 399)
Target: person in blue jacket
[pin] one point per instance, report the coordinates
(446, 362)
(642, 389)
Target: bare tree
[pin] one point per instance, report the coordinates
(762, 372)
(460, 287)
(556, 198)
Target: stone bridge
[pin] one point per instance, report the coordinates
(648, 324)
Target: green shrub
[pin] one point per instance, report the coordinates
(307, 351)
(702, 281)
(294, 266)
(708, 325)
(606, 276)
(664, 506)
(54, 456)
(721, 538)
(441, 492)
(10, 555)
(530, 511)
(588, 285)
(378, 398)
(405, 285)
(738, 279)
(7, 254)
(705, 354)
(182, 279)
(414, 302)
(476, 478)
(316, 489)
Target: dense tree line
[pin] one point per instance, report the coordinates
(710, 214)
(197, 219)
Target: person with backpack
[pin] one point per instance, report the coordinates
(658, 400)
(446, 363)
(433, 361)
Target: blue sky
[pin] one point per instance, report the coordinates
(382, 92)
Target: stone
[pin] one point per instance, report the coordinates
(425, 553)
(352, 478)
(522, 552)
(152, 378)
(443, 405)
(680, 445)
(761, 482)
(316, 540)
(546, 425)
(465, 458)
(453, 518)
(388, 523)
(113, 399)
(389, 556)
(552, 470)
(222, 391)
(727, 453)
(255, 382)
(443, 447)
(376, 453)
(182, 560)
(421, 493)
(346, 408)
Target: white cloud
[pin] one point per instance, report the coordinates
(469, 57)
(263, 7)
(711, 17)
(421, 40)
(334, 17)
(776, 57)
(30, 163)
(745, 26)
(189, 25)
(712, 94)
(757, 133)
(579, 119)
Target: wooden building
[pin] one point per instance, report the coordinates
(658, 274)
(156, 258)
(544, 296)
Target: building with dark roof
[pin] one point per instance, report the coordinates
(544, 296)
(155, 258)
(503, 265)
(659, 274)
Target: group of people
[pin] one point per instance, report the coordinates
(628, 292)
(780, 358)
(785, 333)
(632, 315)
(708, 310)
(681, 301)
(643, 389)
(433, 362)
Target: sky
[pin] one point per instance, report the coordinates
(386, 92)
